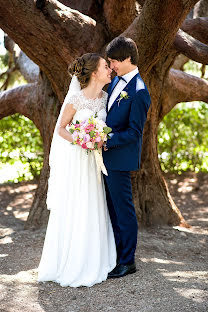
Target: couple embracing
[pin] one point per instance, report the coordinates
(92, 228)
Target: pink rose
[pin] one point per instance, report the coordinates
(89, 127)
(84, 145)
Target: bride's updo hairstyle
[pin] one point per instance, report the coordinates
(83, 67)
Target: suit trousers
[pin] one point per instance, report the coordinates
(122, 214)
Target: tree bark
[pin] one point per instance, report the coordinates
(28, 69)
(38, 102)
(126, 10)
(160, 34)
(92, 8)
(180, 61)
(20, 100)
(191, 47)
(182, 87)
(200, 9)
(47, 103)
(38, 215)
(197, 28)
(141, 2)
(152, 199)
(51, 36)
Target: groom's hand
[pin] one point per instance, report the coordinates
(105, 147)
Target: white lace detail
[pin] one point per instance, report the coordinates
(80, 102)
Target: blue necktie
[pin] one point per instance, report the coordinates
(121, 78)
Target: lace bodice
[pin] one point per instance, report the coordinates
(80, 102)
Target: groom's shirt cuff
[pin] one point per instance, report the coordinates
(110, 135)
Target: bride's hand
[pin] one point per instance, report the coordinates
(100, 144)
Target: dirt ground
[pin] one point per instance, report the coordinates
(172, 262)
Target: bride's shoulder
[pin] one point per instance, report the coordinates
(74, 98)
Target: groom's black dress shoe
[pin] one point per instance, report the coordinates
(121, 270)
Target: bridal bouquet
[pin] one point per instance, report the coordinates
(89, 132)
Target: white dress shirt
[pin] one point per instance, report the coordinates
(121, 85)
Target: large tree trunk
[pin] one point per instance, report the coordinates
(48, 113)
(152, 199)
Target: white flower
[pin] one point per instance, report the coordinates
(90, 144)
(99, 129)
(81, 134)
(123, 95)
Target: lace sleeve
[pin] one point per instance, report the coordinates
(105, 95)
(74, 100)
(79, 101)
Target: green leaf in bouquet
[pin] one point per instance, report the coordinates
(71, 130)
(77, 122)
(96, 146)
(92, 133)
(96, 115)
(107, 130)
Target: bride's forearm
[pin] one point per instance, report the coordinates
(65, 134)
(65, 120)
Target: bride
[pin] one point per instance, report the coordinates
(79, 247)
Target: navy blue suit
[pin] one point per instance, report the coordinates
(127, 119)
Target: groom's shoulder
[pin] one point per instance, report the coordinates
(141, 91)
(140, 85)
(111, 84)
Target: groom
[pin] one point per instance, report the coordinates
(127, 107)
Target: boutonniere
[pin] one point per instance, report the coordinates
(123, 95)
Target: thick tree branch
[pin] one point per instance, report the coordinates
(51, 36)
(182, 87)
(197, 28)
(200, 9)
(20, 100)
(28, 69)
(157, 25)
(126, 10)
(26, 66)
(92, 8)
(191, 47)
(180, 61)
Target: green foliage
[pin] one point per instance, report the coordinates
(4, 60)
(21, 147)
(15, 78)
(183, 139)
(194, 68)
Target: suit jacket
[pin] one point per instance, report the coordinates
(127, 119)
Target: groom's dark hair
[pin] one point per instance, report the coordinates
(121, 48)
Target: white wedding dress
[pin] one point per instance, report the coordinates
(79, 247)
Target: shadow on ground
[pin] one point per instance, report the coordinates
(172, 262)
